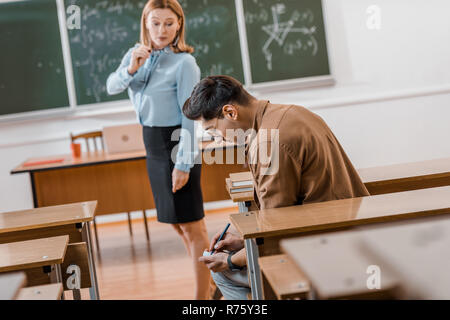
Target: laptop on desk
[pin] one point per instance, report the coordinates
(123, 138)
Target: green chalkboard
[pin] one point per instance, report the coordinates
(110, 28)
(32, 75)
(286, 39)
(212, 29)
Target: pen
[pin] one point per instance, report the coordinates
(221, 236)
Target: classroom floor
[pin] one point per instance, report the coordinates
(131, 268)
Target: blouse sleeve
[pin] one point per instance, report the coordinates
(188, 76)
(119, 80)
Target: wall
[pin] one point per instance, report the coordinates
(390, 104)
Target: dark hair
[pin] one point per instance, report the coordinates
(211, 94)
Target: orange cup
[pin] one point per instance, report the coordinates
(76, 149)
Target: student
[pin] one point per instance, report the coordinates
(160, 74)
(306, 164)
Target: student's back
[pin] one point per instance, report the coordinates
(312, 165)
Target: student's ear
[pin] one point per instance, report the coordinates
(230, 112)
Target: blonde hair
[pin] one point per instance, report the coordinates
(179, 44)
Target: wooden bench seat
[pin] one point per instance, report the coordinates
(45, 292)
(282, 278)
(37, 258)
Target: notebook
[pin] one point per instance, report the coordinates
(232, 189)
(240, 179)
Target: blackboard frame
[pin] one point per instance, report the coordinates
(47, 113)
(73, 108)
(304, 82)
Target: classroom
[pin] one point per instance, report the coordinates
(190, 150)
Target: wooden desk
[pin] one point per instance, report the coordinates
(406, 176)
(119, 182)
(417, 254)
(72, 220)
(270, 225)
(337, 268)
(393, 178)
(10, 285)
(45, 292)
(411, 256)
(32, 255)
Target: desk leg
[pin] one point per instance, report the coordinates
(254, 271)
(59, 278)
(33, 190)
(243, 206)
(58, 271)
(76, 294)
(146, 225)
(93, 290)
(312, 295)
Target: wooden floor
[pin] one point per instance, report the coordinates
(131, 268)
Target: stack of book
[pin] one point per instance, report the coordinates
(240, 182)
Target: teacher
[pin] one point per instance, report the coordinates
(160, 74)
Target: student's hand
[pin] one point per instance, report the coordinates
(179, 179)
(138, 58)
(217, 262)
(229, 242)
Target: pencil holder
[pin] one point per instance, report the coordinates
(76, 150)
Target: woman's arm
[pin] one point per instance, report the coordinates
(119, 80)
(135, 58)
(188, 76)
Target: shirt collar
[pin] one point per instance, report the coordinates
(257, 119)
(166, 49)
(260, 109)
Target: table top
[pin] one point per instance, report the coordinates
(412, 256)
(99, 157)
(336, 265)
(342, 213)
(409, 170)
(10, 285)
(47, 216)
(32, 253)
(86, 158)
(417, 253)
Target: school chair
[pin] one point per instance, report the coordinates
(95, 136)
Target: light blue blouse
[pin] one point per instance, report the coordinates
(158, 91)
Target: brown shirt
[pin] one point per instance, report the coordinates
(301, 162)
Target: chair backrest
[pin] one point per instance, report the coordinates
(94, 135)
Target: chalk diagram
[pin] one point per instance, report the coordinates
(278, 32)
(95, 44)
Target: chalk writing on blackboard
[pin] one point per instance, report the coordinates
(109, 29)
(278, 31)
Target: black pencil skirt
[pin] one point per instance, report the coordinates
(185, 205)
